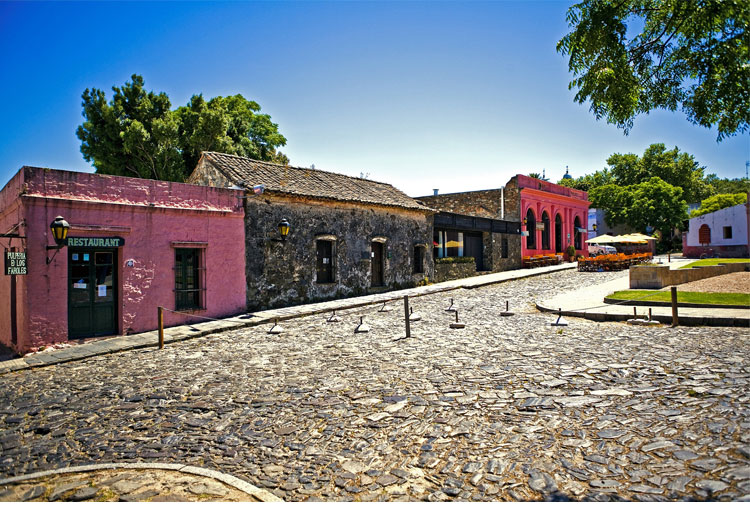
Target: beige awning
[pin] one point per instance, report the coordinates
(604, 239)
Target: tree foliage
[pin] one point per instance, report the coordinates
(672, 166)
(138, 134)
(688, 54)
(727, 186)
(652, 202)
(719, 201)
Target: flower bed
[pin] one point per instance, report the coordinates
(613, 262)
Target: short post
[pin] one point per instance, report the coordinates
(675, 321)
(406, 316)
(161, 327)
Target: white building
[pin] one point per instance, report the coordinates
(723, 233)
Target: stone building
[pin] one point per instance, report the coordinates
(348, 236)
(132, 245)
(498, 227)
(477, 224)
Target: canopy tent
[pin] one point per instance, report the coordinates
(638, 235)
(604, 239)
(628, 238)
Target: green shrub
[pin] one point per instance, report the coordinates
(454, 260)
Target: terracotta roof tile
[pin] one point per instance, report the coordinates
(309, 182)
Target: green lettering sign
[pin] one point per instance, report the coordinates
(83, 242)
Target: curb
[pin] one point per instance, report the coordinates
(229, 480)
(611, 301)
(684, 320)
(149, 339)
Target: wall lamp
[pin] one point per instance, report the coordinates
(59, 227)
(284, 229)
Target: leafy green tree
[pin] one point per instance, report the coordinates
(535, 175)
(588, 182)
(138, 134)
(677, 169)
(727, 186)
(658, 204)
(135, 134)
(632, 56)
(719, 201)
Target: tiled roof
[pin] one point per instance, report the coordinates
(309, 182)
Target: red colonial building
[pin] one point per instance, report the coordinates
(552, 216)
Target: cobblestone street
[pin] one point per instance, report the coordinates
(508, 408)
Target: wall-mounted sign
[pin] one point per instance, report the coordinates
(15, 263)
(110, 242)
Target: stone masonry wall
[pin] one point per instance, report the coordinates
(656, 277)
(445, 271)
(482, 203)
(493, 251)
(284, 273)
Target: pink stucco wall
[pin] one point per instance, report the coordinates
(153, 217)
(541, 196)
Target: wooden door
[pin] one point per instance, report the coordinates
(377, 264)
(473, 248)
(324, 265)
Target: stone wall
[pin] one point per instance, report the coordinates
(656, 277)
(445, 271)
(284, 273)
(493, 251)
(481, 203)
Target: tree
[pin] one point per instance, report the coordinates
(727, 186)
(137, 133)
(588, 182)
(719, 201)
(134, 135)
(677, 169)
(691, 54)
(535, 175)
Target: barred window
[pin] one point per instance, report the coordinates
(188, 279)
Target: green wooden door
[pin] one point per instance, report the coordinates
(92, 293)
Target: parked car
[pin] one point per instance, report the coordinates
(595, 250)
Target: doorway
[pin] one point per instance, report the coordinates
(473, 248)
(92, 293)
(377, 264)
(558, 234)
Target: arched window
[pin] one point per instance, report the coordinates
(531, 228)
(576, 227)
(545, 231)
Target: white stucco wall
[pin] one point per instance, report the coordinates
(734, 217)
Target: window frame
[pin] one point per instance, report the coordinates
(419, 253)
(196, 290)
(727, 231)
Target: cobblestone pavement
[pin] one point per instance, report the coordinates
(508, 408)
(123, 486)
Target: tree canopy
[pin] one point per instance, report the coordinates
(719, 201)
(632, 56)
(138, 134)
(677, 168)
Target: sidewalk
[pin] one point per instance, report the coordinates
(188, 331)
(588, 303)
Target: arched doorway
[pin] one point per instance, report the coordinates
(531, 228)
(558, 234)
(577, 234)
(545, 231)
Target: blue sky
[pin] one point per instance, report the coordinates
(450, 95)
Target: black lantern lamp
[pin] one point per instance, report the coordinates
(593, 227)
(59, 228)
(284, 229)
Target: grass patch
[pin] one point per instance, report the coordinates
(704, 298)
(713, 262)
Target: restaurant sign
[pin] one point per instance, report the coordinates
(15, 263)
(110, 242)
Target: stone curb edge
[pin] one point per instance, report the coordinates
(31, 363)
(245, 487)
(684, 320)
(612, 301)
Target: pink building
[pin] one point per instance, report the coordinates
(133, 245)
(553, 216)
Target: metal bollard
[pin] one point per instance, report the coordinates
(406, 316)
